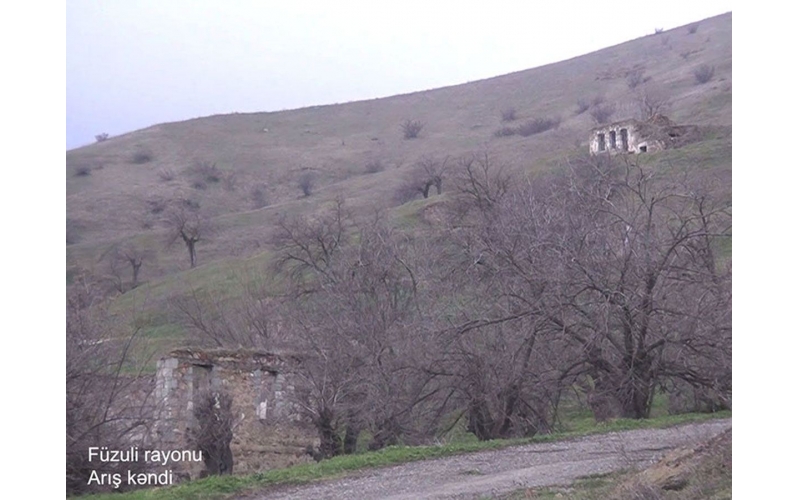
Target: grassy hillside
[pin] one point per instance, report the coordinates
(243, 170)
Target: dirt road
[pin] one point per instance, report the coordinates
(491, 473)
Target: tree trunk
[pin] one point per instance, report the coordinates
(135, 265)
(350, 438)
(330, 444)
(192, 253)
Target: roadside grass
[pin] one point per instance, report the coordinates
(221, 487)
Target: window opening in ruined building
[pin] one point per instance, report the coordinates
(643, 148)
(601, 142)
(623, 135)
(612, 139)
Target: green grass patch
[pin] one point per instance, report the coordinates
(218, 487)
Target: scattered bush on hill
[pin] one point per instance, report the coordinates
(141, 156)
(166, 174)
(306, 183)
(635, 78)
(411, 128)
(602, 113)
(703, 73)
(83, 171)
(508, 114)
(505, 131)
(101, 137)
(537, 126)
(374, 166)
(258, 197)
(583, 106)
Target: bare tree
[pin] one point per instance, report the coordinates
(107, 400)
(126, 255)
(248, 321)
(642, 292)
(479, 183)
(611, 267)
(353, 303)
(651, 104)
(185, 222)
(506, 360)
(428, 172)
(214, 432)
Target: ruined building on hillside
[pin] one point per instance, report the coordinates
(268, 431)
(634, 136)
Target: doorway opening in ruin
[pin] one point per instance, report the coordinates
(601, 142)
(612, 139)
(623, 135)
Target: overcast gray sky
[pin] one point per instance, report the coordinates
(132, 64)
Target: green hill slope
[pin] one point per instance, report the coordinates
(243, 170)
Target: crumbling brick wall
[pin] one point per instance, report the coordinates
(268, 430)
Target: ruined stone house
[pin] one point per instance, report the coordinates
(268, 430)
(634, 136)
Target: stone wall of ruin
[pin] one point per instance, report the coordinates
(268, 431)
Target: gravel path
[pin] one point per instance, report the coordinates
(495, 472)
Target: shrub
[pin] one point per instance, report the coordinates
(207, 172)
(692, 29)
(141, 156)
(373, 167)
(703, 73)
(583, 106)
(408, 191)
(258, 197)
(306, 183)
(537, 126)
(635, 78)
(505, 131)
(230, 181)
(603, 113)
(101, 137)
(411, 129)
(83, 171)
(157, 205)
(166, 175)
(508, 115)
(73, 231)
(658, 31)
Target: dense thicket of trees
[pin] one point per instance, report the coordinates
(605, 278)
